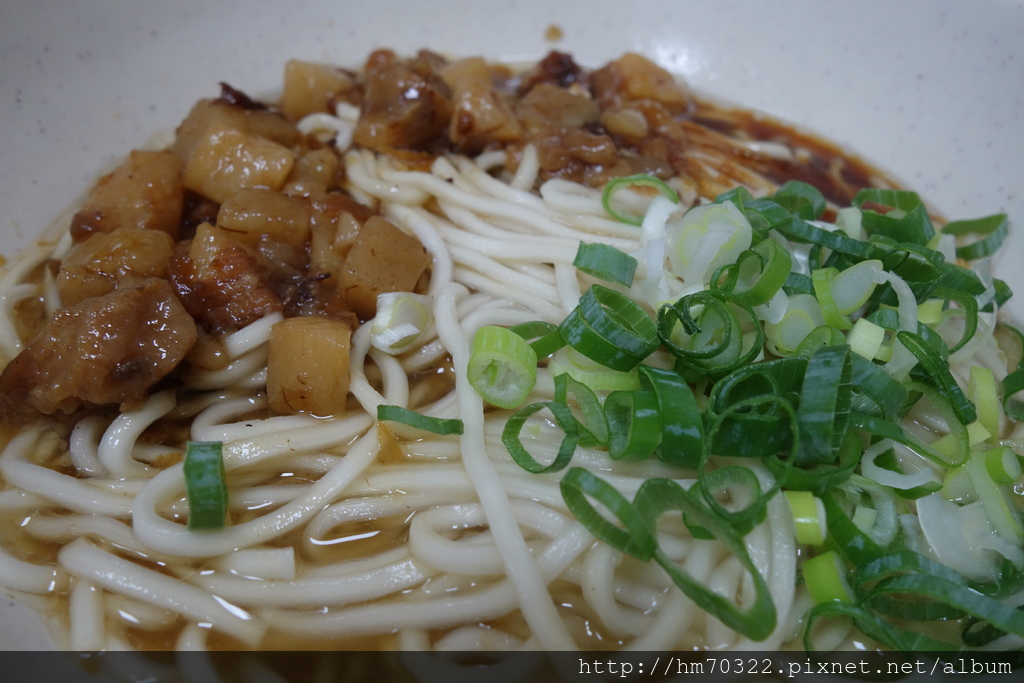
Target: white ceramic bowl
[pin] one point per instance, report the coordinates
(931, 91)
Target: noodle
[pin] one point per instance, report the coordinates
(349, 531)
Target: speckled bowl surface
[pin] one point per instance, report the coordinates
(932, 91)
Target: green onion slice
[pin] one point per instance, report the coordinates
(610, 329)
(596, 376)
(502, 366)
(992, 230)
(875, 391)
(1012, 385)
(628, 181)
(634, 424)
(543, 336)
(825, 399)
(808, 517)
(511, 436)
(636, 539)
(735, 482)
(898, 214)
(968, 310)
(658, 496)
(852, 542)
(959, 597)
(758, 427)
(821, 280)
(940, 374)
(801, 199)
(758, 274)
(593, 427)
(873, 626)
(715, 341)
(434, 425)
(825, 577)
(682, 426)
(205, 485)
(605, 262)
(983, 393)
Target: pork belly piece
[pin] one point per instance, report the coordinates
(106, 350)
(144, 192)
(97, 265)
(407, 106)
(223, 283)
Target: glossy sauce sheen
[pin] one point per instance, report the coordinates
(823, 164)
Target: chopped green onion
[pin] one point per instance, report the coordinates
(982, 391)
(856, 545)
(590, 373)
(543, 336)
(713, 343)
(799, 231)
(906, 563)
(822, 279)
(611, 329)
(758, 274)
(1013, 383)
(205, 485)
(872, 384)
(835, 377)
(1003, 293)
(957, 486)
(511, 436)
(434, 425)
(852, 288)
(808, 517)
(763, 214)
(968, 310)
(682, 427)
(866, 338)
(640, 180)
(593, 428)
(706, 238)
(957, 597)
(948, 450)
(802, 317)
(864, 518)
(635, 539)
(993, 230)
(798, 283)
(1002, 465)
(891, 475)
(871, 625)
(825, 578)
(757, 427)
(803, 200)
(634, 424)
(825, 399)
(901, 215)
(502, 366)
(885, 528)
(658, 496)
(825, 335)
(735, 483)
(848, 219)
(930, 312)
(605, 262)
(402, 318)
(939, 372)
(999, 509)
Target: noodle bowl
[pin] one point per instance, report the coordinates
(353, 532)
